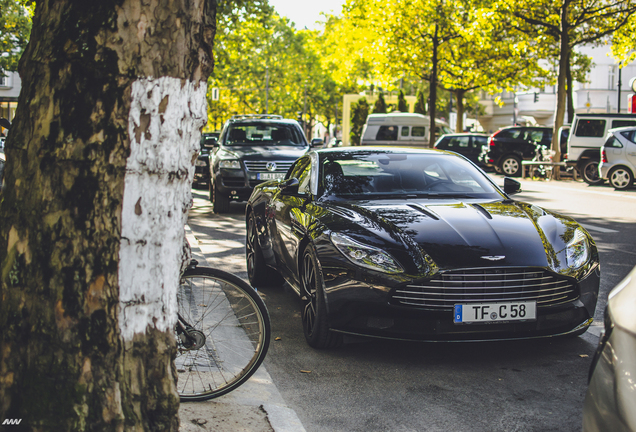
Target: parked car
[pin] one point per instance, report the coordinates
(611, 395)
(466, 144)
(586, 139)
(3, 161)
(510, 145)
(417, 244)
(618, 157)
(252, 149)
(202, 164)
(402, 129)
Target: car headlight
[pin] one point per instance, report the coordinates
(577, 250)
(366, 256)
(230, 164)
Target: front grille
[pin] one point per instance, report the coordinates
(261, 166)
(485, 286)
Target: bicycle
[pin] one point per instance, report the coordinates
(223, 333)
(542, 154)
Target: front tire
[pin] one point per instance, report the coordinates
(220, 203)
(510, 166)
(589, 172)
(621, 178)
(314, 313)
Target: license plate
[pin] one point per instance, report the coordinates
(270, 176)
(495, 312)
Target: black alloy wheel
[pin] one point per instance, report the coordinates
(590, 174)
(314, 313)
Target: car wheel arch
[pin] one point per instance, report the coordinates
(302, 246)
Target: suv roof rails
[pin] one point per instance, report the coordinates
(257, 116)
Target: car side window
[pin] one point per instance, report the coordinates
(590, 128)
(630, 135)
(418, 131)
(405, 131)
(304, 179)
(480, 141)
(613, 142)
(623, 123)
(297, 168)
(387, 133)
(458, 142)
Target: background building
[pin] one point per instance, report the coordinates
(537, 106)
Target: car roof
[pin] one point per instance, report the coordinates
(378, 149)
(622, 129)
(466, 134)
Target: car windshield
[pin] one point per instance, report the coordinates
(363, 175)
(263, 134)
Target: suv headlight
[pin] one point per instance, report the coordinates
(577, 250)
(230, 164)
(366, 256)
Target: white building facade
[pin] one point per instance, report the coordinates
(537, 106)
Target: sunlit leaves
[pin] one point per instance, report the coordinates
(15, 29)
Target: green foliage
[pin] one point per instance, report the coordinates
(359, 114)
(15, 30)
(402, 106)
(264, 64)
(380, 105)
(420, 103)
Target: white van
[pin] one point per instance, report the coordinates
(399, 129)
(587, 135)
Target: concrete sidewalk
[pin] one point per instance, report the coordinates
(256, 406)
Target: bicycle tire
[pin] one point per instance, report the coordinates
(235, 324)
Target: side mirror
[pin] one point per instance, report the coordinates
(210, 143)
(316, 142)
(511, 186)
(289, 186)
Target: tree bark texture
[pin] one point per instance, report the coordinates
(99, 166)
(432, 106)
(459, 125)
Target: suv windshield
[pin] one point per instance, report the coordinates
(259, 133)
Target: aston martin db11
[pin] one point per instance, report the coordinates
(418, 245)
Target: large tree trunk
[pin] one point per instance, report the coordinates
(99, 165)
(433, 89)
(570, 93)
(459, 124)
(561, 83)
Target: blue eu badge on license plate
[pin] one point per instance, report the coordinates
(458, 313)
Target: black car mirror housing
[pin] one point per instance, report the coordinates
(316, 142)
(289, 186)
(511, 186)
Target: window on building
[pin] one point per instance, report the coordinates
(611, 82)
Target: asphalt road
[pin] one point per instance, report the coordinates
(375, 385)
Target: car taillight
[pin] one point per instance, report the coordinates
(603, 156)
(491, 142)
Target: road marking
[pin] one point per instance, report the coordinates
(598, 228)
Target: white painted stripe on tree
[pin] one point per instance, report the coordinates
(164, 127)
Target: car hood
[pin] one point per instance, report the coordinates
(267, 152)
(457, 234)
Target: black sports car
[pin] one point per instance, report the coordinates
(420, 245)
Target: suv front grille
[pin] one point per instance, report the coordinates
(487, 285)
(261, 166)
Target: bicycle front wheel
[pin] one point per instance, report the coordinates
(222, 336)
